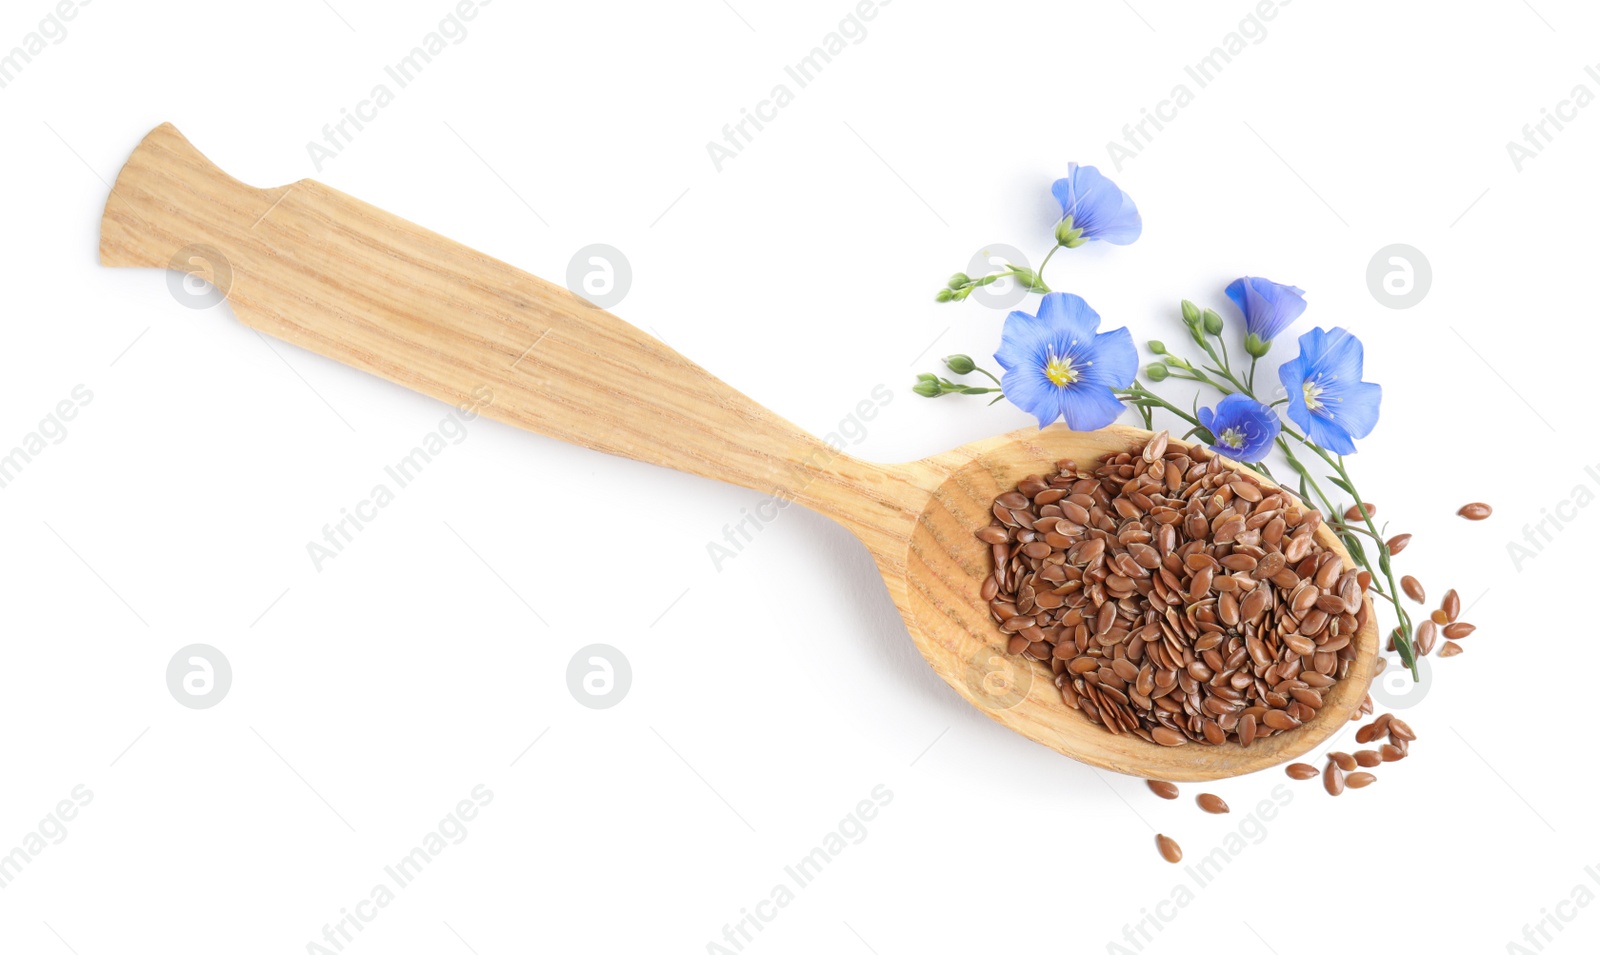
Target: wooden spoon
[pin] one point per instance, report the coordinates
(334, 275)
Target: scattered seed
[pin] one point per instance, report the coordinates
(1169, 849)
(1391, 753)
(1211, 804)
(1400, 730)
(1397, 543)
(1360, 780)
(1353, 512)
(1475, 511)
(1368, 757)
(1450, 650)
(1451, 605)
(1455, 631)
(1413, 588)
(1439, 617)
(1344, 761)
(1333, 779)
(1165, 790)
(1427, 635)
(1301, 771)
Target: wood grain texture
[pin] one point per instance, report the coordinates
(336, 276)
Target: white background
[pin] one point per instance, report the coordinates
(772, 695)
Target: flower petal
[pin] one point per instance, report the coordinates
(1357, 410)
(1022, 339)
(1089, 407)
(1068, 316)
(1097, 206)
(1254, 422)
(1340, 360)
(1269, 307)
(1292, 374)
(1327, 434)
(1112, 360)
(1027, 387)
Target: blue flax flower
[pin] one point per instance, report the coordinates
(1327, 397)
(1243, 427)
(1057, 366)
(1268, 307)
(1097, 206)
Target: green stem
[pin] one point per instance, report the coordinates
(1047, 257)
(1403, 644)
(1300, 469)
(985, 372)
(1142, 396)
(1223, 368)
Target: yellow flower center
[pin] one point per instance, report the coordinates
(1313, 394)
(1233, 438)
(1060, 370)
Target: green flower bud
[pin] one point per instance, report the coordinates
(1213, 322)
(1156, 372)
(1255, 347)
(1156, 348)
(927, 377)
(960, 364)
(1191, 313)
(943, 296)
(928, 389)
(959, 279)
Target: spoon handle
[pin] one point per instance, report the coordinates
(334, 275)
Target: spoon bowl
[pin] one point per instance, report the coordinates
(945, 566)
(318, 269)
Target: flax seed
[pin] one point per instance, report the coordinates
(1169, 849)
(1173, 598)
(1165, 790)
(1333, 779)
(1427, 634)
(1354, 512)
